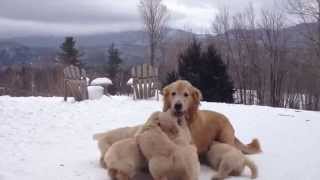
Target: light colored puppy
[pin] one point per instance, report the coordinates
(106, 139)
(124, 159)
(228, 160)
(165, 141)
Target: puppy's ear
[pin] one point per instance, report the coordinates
(155, 116)
(166, 100)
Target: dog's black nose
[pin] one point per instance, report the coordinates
(178, 106)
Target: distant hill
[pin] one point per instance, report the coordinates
(295, 34)
(96, 40)
(15, 53)
(132, 45)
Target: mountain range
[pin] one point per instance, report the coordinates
(132, 45)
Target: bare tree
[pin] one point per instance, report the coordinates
(236, 37)
(275, 43)
(265, 61)
(308, 11)
(221, 26)
(155, 16)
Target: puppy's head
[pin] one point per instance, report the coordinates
(164, 120)
(181, 98)
(168, 123)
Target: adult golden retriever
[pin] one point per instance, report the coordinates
(206, 126)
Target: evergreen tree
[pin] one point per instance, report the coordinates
(170, 78)
(206, 71)
(113, 68)
(69, 55)
(114, 61)
(214, 77)
(189, 63)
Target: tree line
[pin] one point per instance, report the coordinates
(46, 79)
(267, 65)
(268, 68)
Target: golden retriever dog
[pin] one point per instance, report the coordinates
(106, 139)
(229, 161)
(183, 99)
(124, 159)
(165, 142)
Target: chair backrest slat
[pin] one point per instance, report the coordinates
(145, 80)
(73, 73)
(75, 83)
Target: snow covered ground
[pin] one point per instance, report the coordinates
(46, 138)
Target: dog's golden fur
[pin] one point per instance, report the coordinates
(106, 139)
(228, 160)
(124, 159)
(205, 126)
(165, 142)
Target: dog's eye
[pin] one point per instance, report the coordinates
(173, 93)
(186, 94)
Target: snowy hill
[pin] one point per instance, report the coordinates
(14, 53)
(46, 138)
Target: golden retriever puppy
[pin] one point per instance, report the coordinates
(124, 159)
(228, 160)
(106, 139)
(165, 142)
(183, 100)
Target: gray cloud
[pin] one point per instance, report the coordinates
(70, 11)
(54, 17)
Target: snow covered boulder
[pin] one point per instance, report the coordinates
(101, 82)
(95, 92)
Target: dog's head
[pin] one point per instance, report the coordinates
(181, 98)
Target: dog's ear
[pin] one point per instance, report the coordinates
(166, 101)
(196, 95)
(196, 98)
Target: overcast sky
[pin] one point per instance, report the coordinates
(56, 17)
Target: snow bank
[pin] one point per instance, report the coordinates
(46, 138)
(101, 81)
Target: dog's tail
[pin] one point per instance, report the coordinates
(99, 136)
(252, 167)
(252, 148)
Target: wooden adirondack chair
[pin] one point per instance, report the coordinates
(75, 83)
(145, 81)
